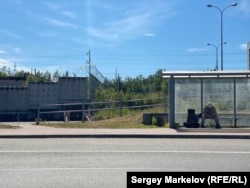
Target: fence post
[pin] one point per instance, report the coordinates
(83, 112)
(38, 115)
(121, 108)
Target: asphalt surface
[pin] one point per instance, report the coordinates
(31, 130)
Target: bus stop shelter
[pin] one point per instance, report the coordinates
(229, 91)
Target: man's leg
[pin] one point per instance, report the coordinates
(202, 121)
(217, 122)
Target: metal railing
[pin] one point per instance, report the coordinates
(85, 110)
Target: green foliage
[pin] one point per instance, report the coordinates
(3, 74)
(128, 91)
(225, 105)
(241, 105)
(154, 121)
(159, 121)
(106, 114)
(132, 88)
(37, 76)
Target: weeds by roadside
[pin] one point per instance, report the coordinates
(5, 126)
(112, 123)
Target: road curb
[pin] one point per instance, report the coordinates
(162, 136)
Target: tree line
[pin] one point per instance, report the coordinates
(132, 88)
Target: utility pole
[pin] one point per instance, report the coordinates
(89, 61)
(89, 81)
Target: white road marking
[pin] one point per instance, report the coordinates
(124, 151)
(87, 168)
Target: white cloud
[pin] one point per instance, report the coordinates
(5, 63)
(47, 34)
(243, 46)
(132, 23)
(10, 34)
(59, 23)
(17, 50)
(57, 7)
(69, 14)
(51, 6)
(119, 30)
(2, 52)
(149, 34)
(196, 50)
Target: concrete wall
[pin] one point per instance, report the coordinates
(13, 82)
(13, 99)
(72, 89)
(16, 96)
(46, 93)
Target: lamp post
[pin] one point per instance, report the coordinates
(221, 13)
(216, 48)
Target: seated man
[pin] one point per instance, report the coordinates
(209, 112)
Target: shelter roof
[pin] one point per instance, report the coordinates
(206, 74)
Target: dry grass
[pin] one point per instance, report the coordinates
(5, 126)
(134, 121)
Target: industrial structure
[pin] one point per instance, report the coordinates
(20, 99)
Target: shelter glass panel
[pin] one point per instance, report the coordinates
(220, 93)
(243, 101)
(187, 96)
(242, 95)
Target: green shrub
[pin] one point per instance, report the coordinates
(154, 120)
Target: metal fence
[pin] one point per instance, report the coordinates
(88, 111)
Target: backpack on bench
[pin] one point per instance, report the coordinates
(192, 119)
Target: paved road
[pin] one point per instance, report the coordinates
(90, 162)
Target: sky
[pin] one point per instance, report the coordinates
(128, 38)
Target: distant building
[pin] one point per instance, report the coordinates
(20, 99)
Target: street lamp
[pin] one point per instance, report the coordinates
(216, 49)
(221, 13)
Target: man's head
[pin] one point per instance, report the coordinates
(209, 104)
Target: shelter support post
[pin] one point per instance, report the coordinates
(171, 91)
(202, 99)
(234, 103)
